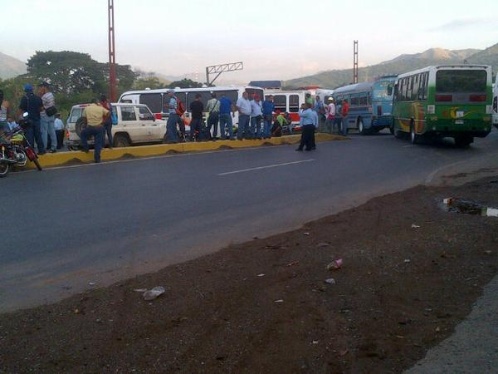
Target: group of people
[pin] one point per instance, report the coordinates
(336, 116)
(315, 111)
(257, 118)
(43, 125)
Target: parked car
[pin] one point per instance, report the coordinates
(136, 125)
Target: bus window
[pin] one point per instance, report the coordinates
(153, 101)
(294, 103)
(280, 103)
(451, 81)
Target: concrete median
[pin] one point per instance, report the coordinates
(77, 157)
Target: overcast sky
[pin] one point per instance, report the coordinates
(275, 39)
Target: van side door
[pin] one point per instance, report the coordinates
(152, 128)
(128, 123)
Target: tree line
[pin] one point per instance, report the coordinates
(77, 78)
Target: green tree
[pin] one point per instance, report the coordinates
(185, 83)
(74, 73)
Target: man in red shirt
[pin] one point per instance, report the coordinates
(344, 114)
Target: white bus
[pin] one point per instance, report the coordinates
(156, 99)
(288, 101)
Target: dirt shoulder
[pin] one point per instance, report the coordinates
(410, 273)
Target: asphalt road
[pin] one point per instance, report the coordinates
(72, 228)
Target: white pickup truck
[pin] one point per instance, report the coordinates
(136, 125)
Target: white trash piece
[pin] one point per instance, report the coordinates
(153, 293)
(492, 212)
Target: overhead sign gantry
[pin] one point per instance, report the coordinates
(218, 69)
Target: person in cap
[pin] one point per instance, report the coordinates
(330, 114)
(46, 121)
(171, 106)
(32, 105)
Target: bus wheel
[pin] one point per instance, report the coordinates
(414, 137)
(463, 140)
(361, 127)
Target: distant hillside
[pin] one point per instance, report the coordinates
(11, 67)
(398, 65)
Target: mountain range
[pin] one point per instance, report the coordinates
(401, 64)
(11, 67)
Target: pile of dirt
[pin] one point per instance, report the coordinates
(411, 270)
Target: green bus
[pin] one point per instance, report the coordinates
(444, 101)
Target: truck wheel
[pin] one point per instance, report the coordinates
(121, 140)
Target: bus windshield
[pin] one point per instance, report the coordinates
(382, 90)
(451, 81)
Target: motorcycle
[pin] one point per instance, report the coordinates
(15, 150)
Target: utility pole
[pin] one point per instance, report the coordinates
(112, 56)
(355, 61)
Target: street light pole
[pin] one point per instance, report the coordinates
(112, 55)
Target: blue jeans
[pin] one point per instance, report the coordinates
(267, 125)
(256, 127)
(171, 130)
(33, 133)
(108, 132)
(212, 121)
(48, 129)
(226, 125)
(98, 133)
(243, 130)
(345, 125)
(195, 128)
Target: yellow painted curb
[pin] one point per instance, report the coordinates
(74, 157)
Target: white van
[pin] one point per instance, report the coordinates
(136, 125)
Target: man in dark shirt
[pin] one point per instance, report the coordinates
(32, 104)
(196, 108)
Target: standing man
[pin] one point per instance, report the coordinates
(344, 114)
(46, 121)
(95, 115)
(226, 114)
(196, 108)
(213, 109)
(268, 108)
(32, 104)
(320, 109)
(244, 108)
(59, 130)
(256, 117)
(170, 107)
(330, 110)
(108, 122)
(309, 122)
